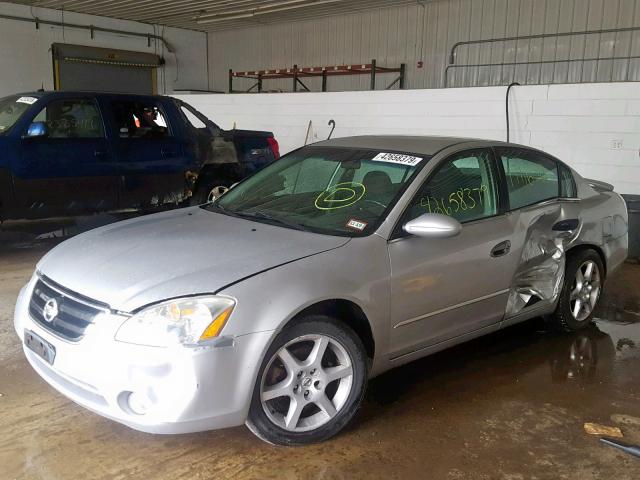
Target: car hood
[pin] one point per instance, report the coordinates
(148, 259)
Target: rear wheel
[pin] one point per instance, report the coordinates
(310, 384)
(210, 189)
(584, 275)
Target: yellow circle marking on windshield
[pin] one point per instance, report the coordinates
(330, 198)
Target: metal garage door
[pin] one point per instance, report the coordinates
(77, 67)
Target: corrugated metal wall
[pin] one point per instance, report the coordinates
(427, 31)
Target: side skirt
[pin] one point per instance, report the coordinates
(423, 352)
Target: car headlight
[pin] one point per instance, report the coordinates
(182, 321)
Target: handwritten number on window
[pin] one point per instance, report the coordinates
(460, 200)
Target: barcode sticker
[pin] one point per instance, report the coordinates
(397, 158)
(27, 100)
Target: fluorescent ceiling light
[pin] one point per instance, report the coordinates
(263, 10)
(251, 9)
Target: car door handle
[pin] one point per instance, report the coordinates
(99, 153)
(501, 249)
(566, 225)
(167, 153)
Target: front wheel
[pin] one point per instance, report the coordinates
(310, 384)
(584, 275)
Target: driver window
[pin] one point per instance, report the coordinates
(463, 187)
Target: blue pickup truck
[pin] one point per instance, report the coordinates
(76, 153)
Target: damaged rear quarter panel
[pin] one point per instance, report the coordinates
(539, 277)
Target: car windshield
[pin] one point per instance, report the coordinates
(11, 109)
(328, 190)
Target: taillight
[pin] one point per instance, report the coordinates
(275, 148)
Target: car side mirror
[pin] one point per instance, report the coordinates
(433, 225)
(37, 129)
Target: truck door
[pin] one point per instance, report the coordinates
(149, 152)
(65, 166)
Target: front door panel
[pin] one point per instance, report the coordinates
(70, 170)
(443, 288)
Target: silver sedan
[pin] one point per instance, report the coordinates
(275, 304)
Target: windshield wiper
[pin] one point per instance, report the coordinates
(213, 206)
(259, 214)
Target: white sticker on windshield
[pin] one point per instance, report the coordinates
(397, 158)
(356, 224)
(27, 100)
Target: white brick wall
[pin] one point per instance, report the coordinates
(593, 127)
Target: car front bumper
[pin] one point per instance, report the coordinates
(184, 389)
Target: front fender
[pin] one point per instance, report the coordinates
(358, 271)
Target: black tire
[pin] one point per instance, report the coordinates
(259, 422)
(204, 188)
(562, 319)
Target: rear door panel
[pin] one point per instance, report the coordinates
(152, 166)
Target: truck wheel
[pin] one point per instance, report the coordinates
(583, 280)
(310, 384)
(208, 190)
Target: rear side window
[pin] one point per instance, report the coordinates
(194, 121)
(139, 119)
(72, 118)
(567, 183)
(531, 177)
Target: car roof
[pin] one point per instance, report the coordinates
(70, 93)
(425, 145)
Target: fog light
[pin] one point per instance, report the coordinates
(138, 403)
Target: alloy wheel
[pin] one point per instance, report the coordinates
(306, 383)
(585, 290)
(216, 192)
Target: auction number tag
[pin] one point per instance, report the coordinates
(398, 158)
(27, 100)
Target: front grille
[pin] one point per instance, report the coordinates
(73, 313)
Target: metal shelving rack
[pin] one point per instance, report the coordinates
(296, 74)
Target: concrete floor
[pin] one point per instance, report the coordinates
(509, 406)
